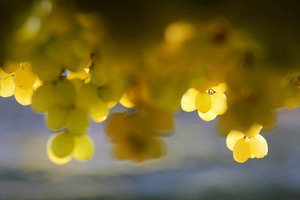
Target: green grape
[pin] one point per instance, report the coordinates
(241, 150)
(53, 158)
(203, 102)
(99, 76)
(253, 131)
(87, 96)
(82, 75)
(2, 73)
(219, 103)
(65, 93)
(84, 148)
(10, 67)
(62, 144)
(45, 69)
(208, 116)
(125, 101)
(232, 138)
(99, 111)
(43, 98)
(23, 96)
(77, 121)
(188, 100)
(77, 83)
(259, 146)
(221, 88)
(24, 77)
(56, 117)
(7, 86)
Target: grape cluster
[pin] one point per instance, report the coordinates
(77, 63)
(209, 104)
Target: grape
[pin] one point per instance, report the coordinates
(7, 86)
(10, 67)
(77, 121)
(53, 158)
(38, 83)
(117, 125)
(65, 93)
(87, 95)
(2, 73)
(121, 151)
(241, 150)
(23, 96)
(232, 138)
(219, 103)
(203, 102)
(156, 148)
(84, 148)
(259, 146)
(43, 98)
(253, 131)
(24, 77)
(62, 144)
(99, 76)
(126, 102)
(99, 111)
(56, 117)
(45, 69)
(221, 88)
(77, 83)
(162, 121)
(111, 104)
(208, 116)
(188, 100)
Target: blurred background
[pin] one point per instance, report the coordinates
(198, 164)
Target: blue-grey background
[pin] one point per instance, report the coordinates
(198, 164)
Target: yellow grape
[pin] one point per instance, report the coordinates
(117, 125)
(65, 93)
(241, 150)
(77, 83)
(221, 88)
(162, 121)
(86, 96)
(23, 96)
(254, 130)
(7, 86)
(77, 121)
(232, 138)
(2, 73)
(10, 67)
(56, 117)
(219, 103)
(203, 102)
(24, 77)
(126, 102)
(62, 144)
(99, 111)
(84, 148)
(82, 75)
(259, 146)
(188, 100)
(208, 116)
(38, 83)
(53, 158)
(121, 151)
(99, 76)
(156, 148)
(43, 98)
(111, 104)
(45, 69)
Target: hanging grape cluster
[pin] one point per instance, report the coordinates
(73, 65)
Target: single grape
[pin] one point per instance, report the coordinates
(43, 98)
(87, 96)
(46, 70)
(99, 111)
(220, 88)
(65, 93)
(56, 117)
(125, 101)
(259, 146)
(23, 96)
(7, 86)
(24, 77)
(53, 158)
(84, 148)
(62, 144)
(241, 150)
(77, 121)
(99, 76)
(203, 102)
(188, 100)
(232, 138)
(219, 103)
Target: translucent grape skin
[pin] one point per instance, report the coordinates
(203, 102)
(56, 117)
(77, 121)
(43, 98)
(188, 100)
(242, 150)
(24, 77)
(62, 145)
(65, 93)
(84, 148)
(219, 103)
